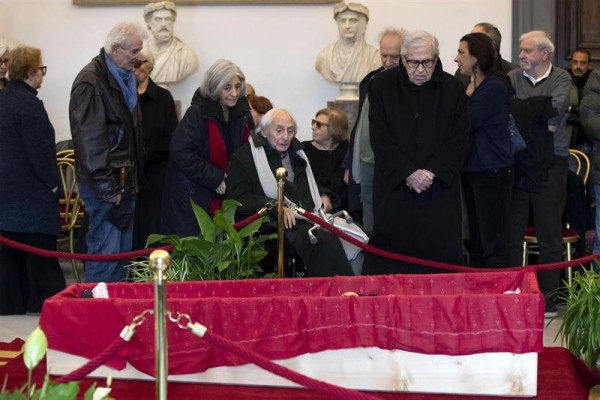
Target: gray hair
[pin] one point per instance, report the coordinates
(542, 40)
(393, 31)
(121, 35)
(267, 120)
(218, 76)
(493, 32)
(419, 38)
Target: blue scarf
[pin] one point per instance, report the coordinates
(126, 80)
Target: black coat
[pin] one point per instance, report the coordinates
(417, 127)
(326, 257)
(29, 181)
(159, 120)
(532, 164)
(190, 173)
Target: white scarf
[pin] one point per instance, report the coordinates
(269, 185)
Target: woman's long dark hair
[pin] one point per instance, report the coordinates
(482, 48)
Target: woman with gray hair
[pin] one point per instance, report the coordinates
(216, 124)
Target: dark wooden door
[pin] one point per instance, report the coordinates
(577, 25)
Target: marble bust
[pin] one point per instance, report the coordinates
(174, 60)
(348, 60)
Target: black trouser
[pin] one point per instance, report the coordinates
(487, 197)
(26, 280)
(548, 206)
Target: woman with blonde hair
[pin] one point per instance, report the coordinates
(327, 149)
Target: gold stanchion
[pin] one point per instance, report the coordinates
(281, 175)
(160, 260)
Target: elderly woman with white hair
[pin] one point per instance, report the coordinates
(159, 118)
(252, 182)
(216, 124)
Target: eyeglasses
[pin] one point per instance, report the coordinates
(44, 69)
(319, 124)
(414, 64)
(5, 61)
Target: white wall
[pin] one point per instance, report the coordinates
(275, 45)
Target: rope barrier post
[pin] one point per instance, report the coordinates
(281, 175)
(159, 263)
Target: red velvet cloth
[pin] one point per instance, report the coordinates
(454, 314)
(561, 376)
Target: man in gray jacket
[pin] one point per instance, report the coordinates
(538, 77)
(106, 126)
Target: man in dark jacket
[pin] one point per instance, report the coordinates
(579, 70)
(419, 131)
(106, 127)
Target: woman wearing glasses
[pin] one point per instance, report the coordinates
(30, 182)
(327, 149)
(488, 173)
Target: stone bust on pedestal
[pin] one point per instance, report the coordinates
(174, 60)
(348, 60)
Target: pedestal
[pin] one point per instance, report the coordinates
(350, 107)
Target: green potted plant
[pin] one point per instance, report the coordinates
(580, 328)
(219, 252)
(34, 351)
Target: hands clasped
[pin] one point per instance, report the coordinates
(420, 180)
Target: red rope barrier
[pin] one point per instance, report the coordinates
(263, 362)
(103, 257)
(244, 222)
(94, 363)
(317, 220)
(437, 264)
(79, 256)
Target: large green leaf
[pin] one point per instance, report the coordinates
(227, 210)
(207, 227)
(167, 239)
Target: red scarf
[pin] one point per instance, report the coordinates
(218, 154)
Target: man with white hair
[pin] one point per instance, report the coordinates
(173, 59)
(538, 77)
(419, 130)
(106, 126)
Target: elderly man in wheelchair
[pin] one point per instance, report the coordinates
(251, 181)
